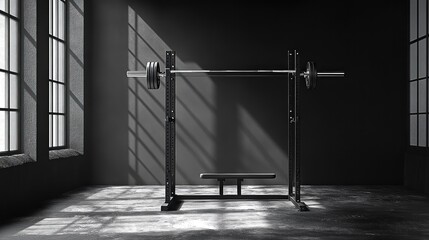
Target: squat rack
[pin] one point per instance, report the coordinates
(153, 75)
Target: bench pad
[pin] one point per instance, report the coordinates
(237, 175)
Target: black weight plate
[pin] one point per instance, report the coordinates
(314, 76)
(307, 79)
(311, 78)
(152, 75)
(156, 75)
(148, 82)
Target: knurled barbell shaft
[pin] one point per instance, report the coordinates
(214, 72)
(142, 74)
(233, 71)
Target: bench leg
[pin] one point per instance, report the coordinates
(221, 180)
(239, 186)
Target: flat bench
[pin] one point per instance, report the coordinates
(239, 176)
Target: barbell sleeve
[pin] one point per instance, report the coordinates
(330, 74)
(137, 74)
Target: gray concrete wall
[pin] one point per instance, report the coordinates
(351, 128)
(76, 67)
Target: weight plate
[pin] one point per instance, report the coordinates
(152, 75)
(148, 82)
(311, 77)
(156, 75)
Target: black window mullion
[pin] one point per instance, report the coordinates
(8, 15)
(54, 81)
(56, 38)
(9, 72)
(57, 113)
(417, 79)
(9, 109)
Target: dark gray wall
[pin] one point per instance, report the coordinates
(416, 170)
(352, 128)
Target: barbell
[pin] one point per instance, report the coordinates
(153, 74)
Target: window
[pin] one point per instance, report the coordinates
(9, 76)
(57, 74)
(418, 78)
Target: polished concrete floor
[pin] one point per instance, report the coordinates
(132, 212)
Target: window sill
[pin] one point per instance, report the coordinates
(417, 150)
(63, 153)
(14, 160)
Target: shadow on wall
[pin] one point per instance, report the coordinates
(213, 133)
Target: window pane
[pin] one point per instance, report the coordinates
(13, 91)
(422, 130)
(3, 5)
(422, 58)
(55, 97)
(61, 61)
(413, 61)
(50, 58)
(413, 130)
(3, 131)
(61, 131)
(413, 19)
(50, 16)
(50, 130)
(413, 97)
(55, 130)
(61, 98)
(61, 19)
(422, 96)
(3, 43)
(14, 7)
(14, 44)
(55, 18)
(3, 91)
(422, 18)
(50, 97)
(13, 131)
(54, 60)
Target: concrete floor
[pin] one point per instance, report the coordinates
(132, 212)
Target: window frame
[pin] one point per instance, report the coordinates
(418, 79)
(18, 75)
(65, 83)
